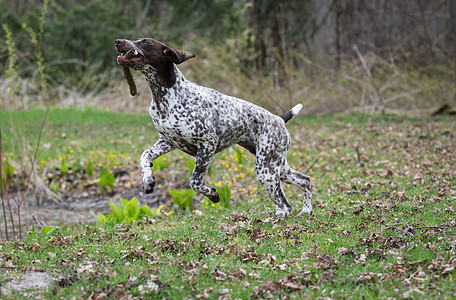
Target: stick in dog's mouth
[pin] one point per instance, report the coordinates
(126, 70)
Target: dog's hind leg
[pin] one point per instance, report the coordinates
(267, 167)
(268, 174)
(162, 146)
(290, 176)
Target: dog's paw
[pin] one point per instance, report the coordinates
(215, 197)
(282, 213)
(148, 184)
(305, 211)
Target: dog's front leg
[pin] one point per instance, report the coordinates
(203, 160)
(162, 146)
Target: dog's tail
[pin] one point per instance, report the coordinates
(291, 113)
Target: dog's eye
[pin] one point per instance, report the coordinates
(144, 42)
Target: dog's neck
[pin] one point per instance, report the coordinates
(161, 81)
(162, 77)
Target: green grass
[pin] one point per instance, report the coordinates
(67, 129)
(386, 229)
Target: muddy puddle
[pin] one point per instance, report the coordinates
(70, 211)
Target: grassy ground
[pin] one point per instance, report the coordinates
(383, 229)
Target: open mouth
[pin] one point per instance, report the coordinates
(131, 55)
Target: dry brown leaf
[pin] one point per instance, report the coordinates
(291, 286)
(327, 276)
(194, 271)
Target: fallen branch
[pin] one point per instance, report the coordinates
(311, 165)
(410, 229)
(421, 227)
(360, 162)
(363, 61)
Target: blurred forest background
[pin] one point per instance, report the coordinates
(331, 55)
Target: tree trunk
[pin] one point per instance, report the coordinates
(337, 8)
(453, 25)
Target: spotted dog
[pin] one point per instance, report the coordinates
(201, 122)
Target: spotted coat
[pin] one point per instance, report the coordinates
(201, 122)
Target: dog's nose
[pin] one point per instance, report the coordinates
(119, 42)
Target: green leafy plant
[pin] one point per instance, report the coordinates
(55, 187)
(128, 211)
(89, 168)
(8, 172)
(239, 157)
(49, 230)
(64, 167)
(106, 179)
(183, 198)
(225, 196)
(190, 163)
(160, 163)
(76, 166)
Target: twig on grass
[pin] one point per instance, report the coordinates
(410, 229)
(360, 162)
(311, 165)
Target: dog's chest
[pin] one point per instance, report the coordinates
(184, 129)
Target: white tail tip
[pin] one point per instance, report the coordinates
(296, 109)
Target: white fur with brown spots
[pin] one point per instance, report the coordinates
(201, 122)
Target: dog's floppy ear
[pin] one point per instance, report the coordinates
(177, 56)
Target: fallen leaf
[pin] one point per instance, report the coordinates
(448, 270)
(202, 296)
(326, 276)
(9, 264)
(291, 285)
(224, 291)
(194, 271)
(199, 213)
(240, 273)
(101, 296)
(361, 259)
(219, 275)
(367, 277)
(35, 246)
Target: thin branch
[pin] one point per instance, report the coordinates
(1, 189)
(7, 195)
(363, 61)
(403, 95)
(434, 227)
(360, 162)
(311, 165)
(34, 158)
(30, 174)
(421, 227)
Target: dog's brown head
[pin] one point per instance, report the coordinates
(147, 51)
